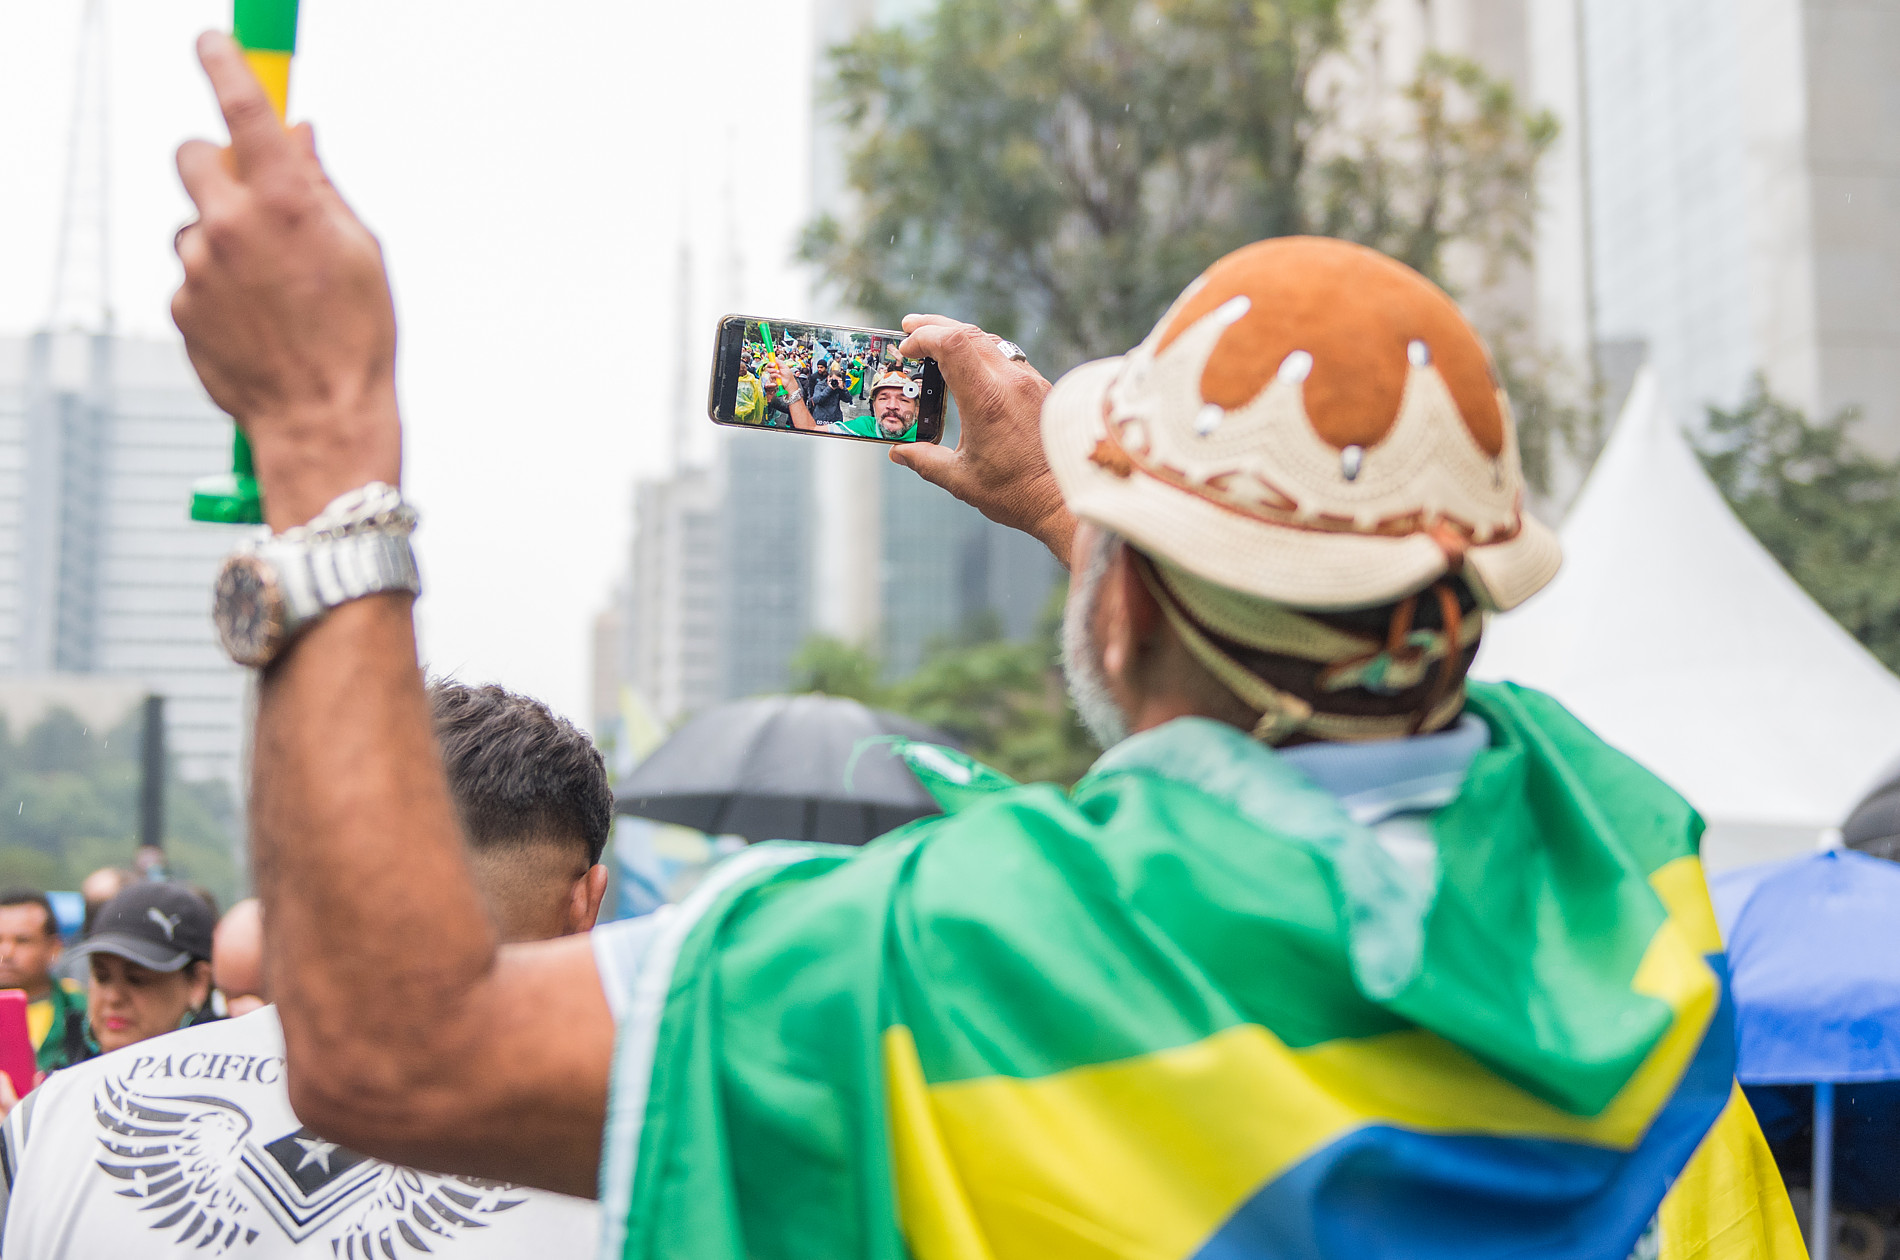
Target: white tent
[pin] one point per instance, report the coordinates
(1673, 634)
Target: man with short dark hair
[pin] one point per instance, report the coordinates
(88, 1157)
(534, 839)
(29, 948)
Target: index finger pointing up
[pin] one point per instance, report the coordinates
(258, 137)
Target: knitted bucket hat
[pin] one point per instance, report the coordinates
(897, 380)
(1312, 424)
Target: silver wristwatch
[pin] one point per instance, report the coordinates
(275, 587)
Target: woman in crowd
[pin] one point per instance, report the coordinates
(149, 959)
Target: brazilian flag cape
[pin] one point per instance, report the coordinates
(1191, 1009)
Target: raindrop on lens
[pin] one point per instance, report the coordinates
(1351, 460)
(1296, 367)
(1208, 419)
(1418, 352)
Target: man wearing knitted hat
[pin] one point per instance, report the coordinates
(1332, 954)
(893, 414)
(894, 409)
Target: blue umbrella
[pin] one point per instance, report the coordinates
(1814, 963)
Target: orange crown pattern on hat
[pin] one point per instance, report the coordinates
(1312, 423)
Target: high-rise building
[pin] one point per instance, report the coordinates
(771, 542)
(813, 537)
(916, 566)
(725, 581)
(676, 594)
(948, 572)
(1744, 198)
(926, 539)
(1723, 198)
(101, 571)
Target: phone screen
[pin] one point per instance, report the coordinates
(825, 379)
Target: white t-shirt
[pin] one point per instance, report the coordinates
(185, 1145)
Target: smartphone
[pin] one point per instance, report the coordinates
(827, 379)
(16, 1043)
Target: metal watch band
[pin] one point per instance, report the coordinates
(323, 570)
(272, 588)
(375, 506)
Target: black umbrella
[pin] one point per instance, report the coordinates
(774, 768)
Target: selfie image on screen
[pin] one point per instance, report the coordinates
(827, 380)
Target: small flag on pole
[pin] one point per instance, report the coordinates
(267, 32)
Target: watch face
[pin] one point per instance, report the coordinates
(249, 610)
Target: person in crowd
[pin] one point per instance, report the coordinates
(780, 381)
(86, 1162)
(102, 886)
(893, 416)
(819, 391)
(749, 396)
(29, 949)
(830, 395)
(148, 862)
(787, 388)
(149, 959)
(237, 958)
(894, 408)
(1332, 954)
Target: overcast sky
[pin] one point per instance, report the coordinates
(531, 170)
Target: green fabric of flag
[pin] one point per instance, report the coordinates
(866, 426)
(265, 25)
(1193, 897)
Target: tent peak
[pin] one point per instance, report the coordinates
(1673, 633)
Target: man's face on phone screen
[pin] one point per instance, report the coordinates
(895, 413)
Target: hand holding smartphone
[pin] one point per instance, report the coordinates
(826, 379)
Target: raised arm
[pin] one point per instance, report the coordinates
(410, 1035)
(794, 398)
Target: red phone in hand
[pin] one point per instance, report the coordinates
(16, 1043)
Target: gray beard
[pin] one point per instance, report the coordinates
(1094, 703)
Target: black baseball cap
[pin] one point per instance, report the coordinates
(161, 926)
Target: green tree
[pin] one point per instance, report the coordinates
(1003, 702)
(1459, 170)
(1823, 507)
(837, 668)
(75, 796)
(1059, 169)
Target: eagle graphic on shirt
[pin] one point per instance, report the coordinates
(197, 1171)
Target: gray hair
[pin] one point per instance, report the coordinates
(1094, 703)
